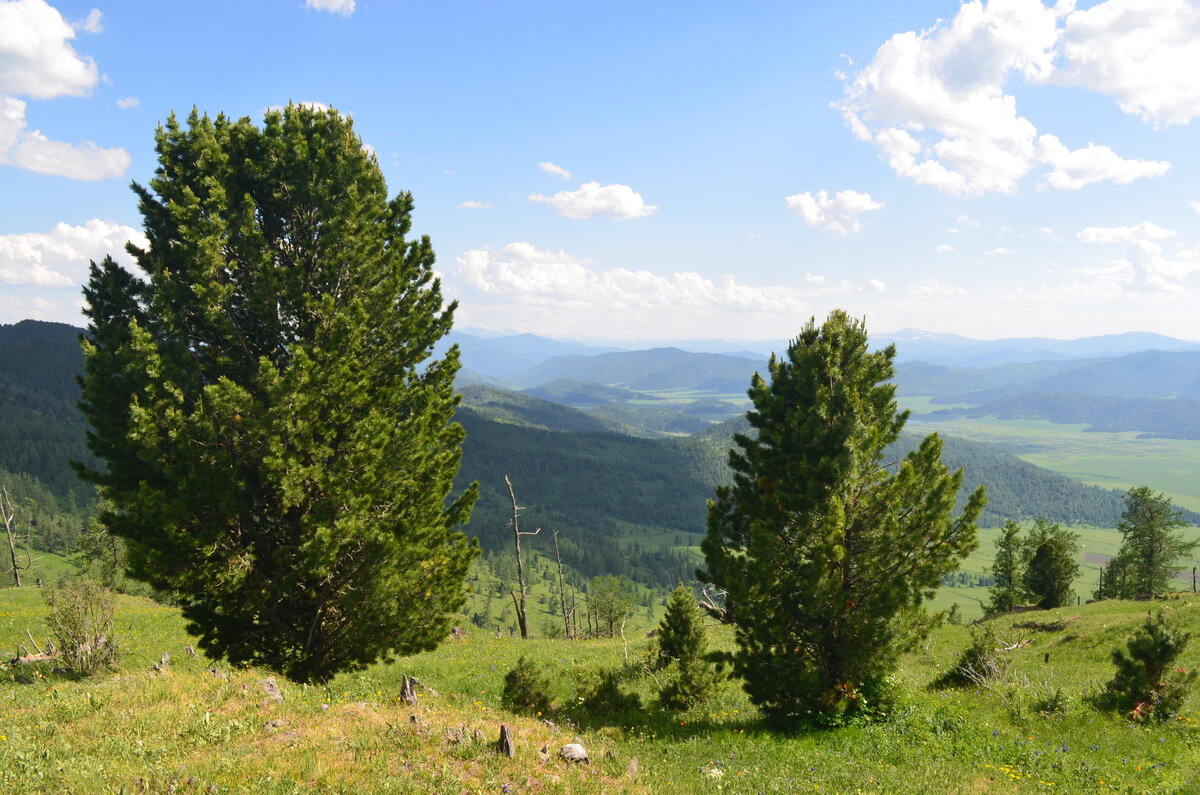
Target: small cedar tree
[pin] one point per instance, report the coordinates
(826, 551)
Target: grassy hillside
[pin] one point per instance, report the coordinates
(184, 729)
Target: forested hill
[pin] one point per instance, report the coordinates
(40, 427)
(1016, 489)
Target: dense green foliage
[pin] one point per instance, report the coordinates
(1006, 590)
(279, 448)
(526, 688)
(1048, 558)
(1151, 546)
(823, 550)
(683, 645)
(1148, 684)
(608, 603)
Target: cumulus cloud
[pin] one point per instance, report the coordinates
(472, 205)
(1074, 169)
(839, 214)
(1144, 266)
(554, 171)
(592, 200)
(36, 57)
(536, 276)
(1195, 206)
(60, 258)
(946, 248)
(343, 7)
(30, 149)
(38, 61)
(998, 252)
(125, 103)
(936, 107)
(1145, 54)
(1124, 234)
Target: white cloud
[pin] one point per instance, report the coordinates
(998, 252)
(591, 200)
(30, 149)
(1074, 169)
(36, 59)
(530, 275)
(94, 22)
(60, 258)
(125, 103)
(936, 107)
(839, 214)
(1124, 234)
(1144, 266)
(343, 7)
(1143, 53)
(946, 248)
(876, 286)
(1195, 206)
(472, 205)
(554, 171)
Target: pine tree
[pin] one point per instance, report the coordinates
(683, 641)
(278, 445)
(1007, 591)
(1151, 545)
(1050, 567)
(825, 550)
(1147, 683)
(681, 631)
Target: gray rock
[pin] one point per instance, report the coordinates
(574, 752)
(271, 688)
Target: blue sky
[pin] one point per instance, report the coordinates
(666, 170)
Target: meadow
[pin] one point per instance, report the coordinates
(199, 726)
(1111, 460)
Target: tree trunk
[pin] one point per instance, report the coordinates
(520, 564)
(9, 513)
(562, 591)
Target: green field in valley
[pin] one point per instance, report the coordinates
(1111, 460)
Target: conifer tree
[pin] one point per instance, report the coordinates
(278, 445)
(1049, 566)
(1151, 544)
(683, 641)
(1006, 591)
(826, 550)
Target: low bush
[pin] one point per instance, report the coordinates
(978, 663)
(81, 624)
(526, 689)
(1147, 684)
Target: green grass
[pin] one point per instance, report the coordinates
(139, 730)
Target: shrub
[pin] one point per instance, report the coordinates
(1146, 684)
(526, 688)
(978, 663)
(695, 682)
(81, 624)
(604, 696)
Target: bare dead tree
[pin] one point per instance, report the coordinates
(562, 590)
(516, 528)
(9, 514)
(716, 605)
